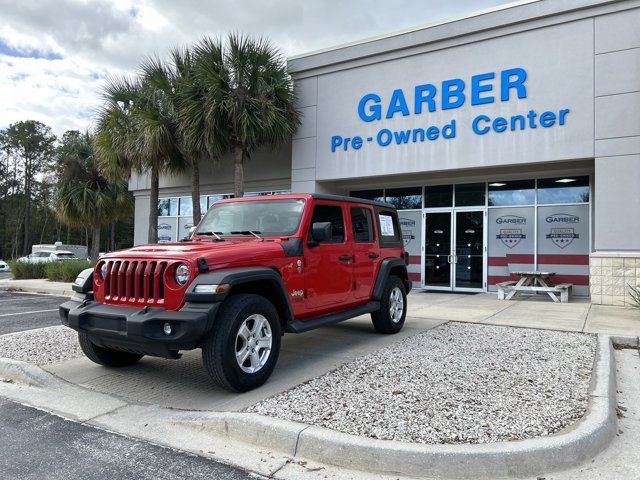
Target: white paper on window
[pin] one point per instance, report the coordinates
(386, 226)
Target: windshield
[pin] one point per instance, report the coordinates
(264, 217)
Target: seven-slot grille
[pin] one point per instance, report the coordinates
(135, 280)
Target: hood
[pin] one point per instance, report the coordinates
(213, 252)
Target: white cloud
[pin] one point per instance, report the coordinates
(80, 42)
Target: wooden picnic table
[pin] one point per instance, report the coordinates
(534, 282)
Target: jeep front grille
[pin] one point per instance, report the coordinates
(135, 281)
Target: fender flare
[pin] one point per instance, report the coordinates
(239, 276)
(383, 273)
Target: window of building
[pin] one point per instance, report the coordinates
(571, 189)
(438, 196)
(167, 207)
(362, 224)
(332, 214)
(514, 192)
(470, 194)
(186, 207)
(404, 198)
(377, 194)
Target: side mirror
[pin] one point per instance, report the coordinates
(321, 232)
(191, 230)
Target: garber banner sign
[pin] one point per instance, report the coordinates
(481, 89)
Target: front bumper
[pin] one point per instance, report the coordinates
(140, 330)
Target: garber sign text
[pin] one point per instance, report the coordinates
(481, 89)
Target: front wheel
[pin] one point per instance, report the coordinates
(106, 356)
(242, 348)
(393, 307)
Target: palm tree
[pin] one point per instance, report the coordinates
(176, 80)
(246, 98)
(137, 132)
(84, 196)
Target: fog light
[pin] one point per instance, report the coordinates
(167, 329)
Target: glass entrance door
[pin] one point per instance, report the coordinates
(468, 256)
(437, 250)
(454, 250)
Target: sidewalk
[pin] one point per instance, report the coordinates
(37, 285)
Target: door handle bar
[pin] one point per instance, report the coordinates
(345, 258)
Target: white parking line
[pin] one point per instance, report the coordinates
(28, 313)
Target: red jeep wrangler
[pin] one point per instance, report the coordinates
(253, 269)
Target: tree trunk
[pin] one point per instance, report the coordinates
(112, 236)
(153, 206)
(27, 208)
(238, 176)
(195, 188)
(95, 243)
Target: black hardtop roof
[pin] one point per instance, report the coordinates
(344, 198)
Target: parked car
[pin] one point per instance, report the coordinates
(254, 269)
(48, 256)
(4, 267)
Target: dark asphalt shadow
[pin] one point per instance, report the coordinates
(36, 445)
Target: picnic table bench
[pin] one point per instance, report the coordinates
(534, 282)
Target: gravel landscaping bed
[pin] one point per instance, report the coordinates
(458, 383)
(41, 346)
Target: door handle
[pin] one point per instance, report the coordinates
(345, 258)
(373, 255)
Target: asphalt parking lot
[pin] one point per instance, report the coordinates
(47, 446)
(26, 311)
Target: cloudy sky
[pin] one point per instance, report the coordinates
(55, 54)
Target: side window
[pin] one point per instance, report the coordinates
(333, 214)
(362, 224)
(389, 230)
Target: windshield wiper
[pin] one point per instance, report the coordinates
(255, 233)
(212, 234)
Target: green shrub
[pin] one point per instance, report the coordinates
(23, 270)
(65, 271)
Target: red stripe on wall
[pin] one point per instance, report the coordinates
(559, 259)
(519, 258)
(414, 277)
(574, 279)
(546, 259)
(415, 260)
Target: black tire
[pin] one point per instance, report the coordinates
(106, 356)
(382, 319)
(220, 345)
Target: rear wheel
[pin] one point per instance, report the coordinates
(106, 356)
(393, 307)
(241, 350)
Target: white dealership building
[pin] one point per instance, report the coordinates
(509, 140)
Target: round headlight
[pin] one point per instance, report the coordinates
(103, 271)
(182, 273)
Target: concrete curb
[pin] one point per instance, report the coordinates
(15, 371)
(538, 456)
(533, 457)
(65, 291)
